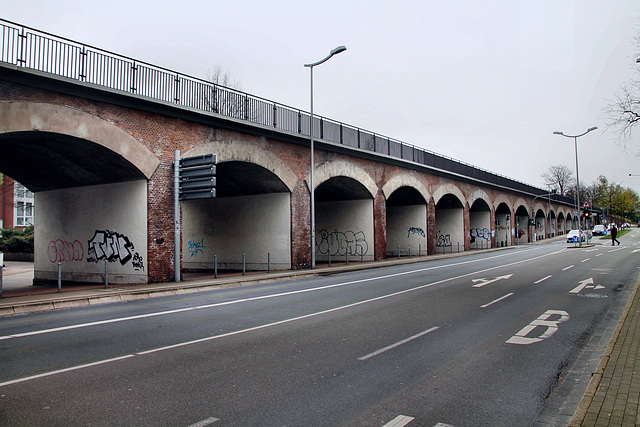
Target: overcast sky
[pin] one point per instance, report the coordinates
(485, 82)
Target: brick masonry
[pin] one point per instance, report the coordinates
(162, 134)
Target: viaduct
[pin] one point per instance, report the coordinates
(93, 135)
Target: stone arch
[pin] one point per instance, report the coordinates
(244, 151)
(405, 180)
(501, 198)
(27, 116)
(448, 189)
(479, 194)
(336, 168)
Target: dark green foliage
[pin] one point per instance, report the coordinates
(17, 240)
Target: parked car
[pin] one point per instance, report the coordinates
(599, 230)
(575, 233)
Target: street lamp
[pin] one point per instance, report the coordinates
(335, 51)
(575, 138)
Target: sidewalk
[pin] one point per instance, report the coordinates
(613, 395)
(611, 399)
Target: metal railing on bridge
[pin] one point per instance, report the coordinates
(37, 50)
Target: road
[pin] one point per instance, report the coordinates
(483, 339)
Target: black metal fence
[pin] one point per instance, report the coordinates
(26, 47)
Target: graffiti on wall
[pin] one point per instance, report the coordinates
(63, 251)
(339, 243)
(112, 246)
(480, 233)
(443, 240)
(196, 247)
(415, 230)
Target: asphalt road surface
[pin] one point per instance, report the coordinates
(480, 340)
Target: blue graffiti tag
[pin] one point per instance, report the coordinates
(415, 230)
(196, 247)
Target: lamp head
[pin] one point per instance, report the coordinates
(558, 133)
(593, 128)
(338, 49)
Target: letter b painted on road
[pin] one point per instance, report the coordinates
(551, 326)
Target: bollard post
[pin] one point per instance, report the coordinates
(419, 249)
(215, 266)
(329, 257)
(458, 247)
(346, 255)
(361, 257)
(106, 275)
(409, 251)
(59, 277)
(398, 251)
(1, 268)
(244, 269)
(268, 262)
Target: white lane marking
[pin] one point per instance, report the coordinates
(443, 425)
(566, 268)
(542, 280)
(585, 260)
(599, 254)
(582, 285)
(399, 421)
(483, 282)
(616, 250)
(255, 328)
(282, 294)
(60, 371)
(205, 423)
(496, 300)
(398, 344)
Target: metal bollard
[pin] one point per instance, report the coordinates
(361, 257)
(346, 255)
(244, 265)
(409, 251)
(268, 262)
(215, 266)
(106, 275)
(329, 257)
(398, 251)
(1, 268)
(419, 249)
(59, 277)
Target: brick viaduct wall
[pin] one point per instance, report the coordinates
(162, 134)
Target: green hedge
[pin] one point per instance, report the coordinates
(17, 240)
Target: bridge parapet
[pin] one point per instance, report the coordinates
(32, 49)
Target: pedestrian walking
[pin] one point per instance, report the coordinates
(614, 233)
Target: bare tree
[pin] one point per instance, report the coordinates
(622, 113)
(558, 177)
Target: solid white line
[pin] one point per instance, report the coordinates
(398, 344)
(205, 423)
(496, 300)
(399, 421)
(282, 294)
(60, 371)
(542, 280)
(566, 268)
(599, 255)
(585, 260)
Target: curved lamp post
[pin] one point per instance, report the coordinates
(575, 139)
(335, 51)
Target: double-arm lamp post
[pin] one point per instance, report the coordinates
(335, 51)
(575, 139)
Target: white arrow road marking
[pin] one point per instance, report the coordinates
(483, 282)
(584, 284)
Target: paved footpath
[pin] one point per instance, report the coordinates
(613, 395)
